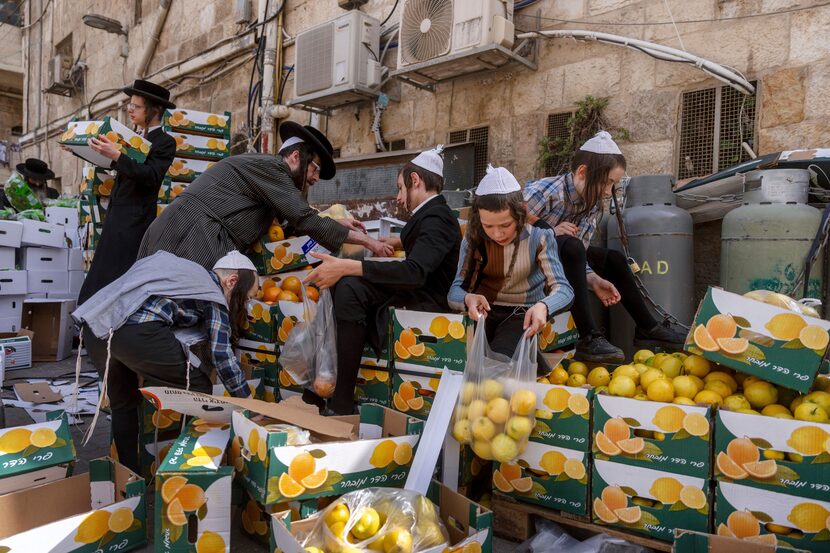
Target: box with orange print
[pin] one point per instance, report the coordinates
(77, 135)
(190, 121)
(414, 389)
(200, 147)
(255, 518)
(271, 257)
(424, 341)
(374, 381)
(170, 190)
(278, 307)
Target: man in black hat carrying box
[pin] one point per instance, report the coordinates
(133, 201)
(37, 172)
(232, 204)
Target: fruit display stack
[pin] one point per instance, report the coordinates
(202, 139)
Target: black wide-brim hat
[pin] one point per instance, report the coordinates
(36, 169)
(318, 142)
(151, 91)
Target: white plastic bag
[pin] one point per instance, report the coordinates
(298, 352)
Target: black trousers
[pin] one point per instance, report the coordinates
(149, 350)
(504, 328)
(610, 265)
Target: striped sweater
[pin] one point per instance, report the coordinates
(537, 274)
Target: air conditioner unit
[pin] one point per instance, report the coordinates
(337, 62)
(430, 30)
(58, 70)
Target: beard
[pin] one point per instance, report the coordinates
(298, 176)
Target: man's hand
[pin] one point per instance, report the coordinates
(331, 270)
(535, 318)
(477, 306)
(105, 147)
(394, 241)
(380, 249)
(566, 229)
(604, 290)
(352, 224)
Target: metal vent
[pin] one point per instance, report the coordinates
(480, 137)
(713, 123)
(313, 71)
(426, 27)
(557, 131)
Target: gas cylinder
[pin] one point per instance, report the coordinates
(765, 242)
(660, 239)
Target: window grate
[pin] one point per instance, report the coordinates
(713, 123)
(395, 145)
(557, 131)
(480, 137)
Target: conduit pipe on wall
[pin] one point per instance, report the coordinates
(154, 39)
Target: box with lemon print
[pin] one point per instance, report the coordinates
(102, 510)
(781, 455)
(374, 384)
(283, 255)
(430, 340)
(777, 519)
(273, 322)
(274, 472)
(97, 181)
(189, 121)
(663, 436)
(256, 518)
(258, 354)
(193, 491)
(648, 501)
(553, 477)
(192, 146)
(413, 391)
(255, 375)
(750, 336)
(170, 190)
(77, 134)
(686, 541)
(40, 452)
(563, 417)
(558, 332)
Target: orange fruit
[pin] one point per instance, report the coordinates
(603, 513)
(704, 340)
(743, 451)
(762, 469)
(614, 498)
(616, 430)
(721, 326)
(743, 524)
(270, 295)
(292, 284)
(729, 468)
(733, 346)
(288, 296)
(312, 293)
(605, 445)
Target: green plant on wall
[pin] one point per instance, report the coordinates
(554, 154)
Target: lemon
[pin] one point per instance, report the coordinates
(643, 355)
(811, 412)
(666, 490)
(650, 376)
(719, 387)
(622, 386)
(708, 396)
(735, 402)
(809, 517)
(723, 377)
(808, 440)
(598, 376)
(576, 380)
(774, 409)
(760, 394)
(785, 326)
(661, 389)
(684, 386)
(578, 367)
(558, 376)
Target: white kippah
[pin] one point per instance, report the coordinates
(601, 143)
(234, 261)
(431, 160)
(498, 180)
(290, 141)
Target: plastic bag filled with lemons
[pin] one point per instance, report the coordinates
(377, 520)
(496, 408)
(782, 301)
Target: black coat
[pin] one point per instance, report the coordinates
(131, 210)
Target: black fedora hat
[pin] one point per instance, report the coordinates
(151, 91)
(36, 169)
(317, 140)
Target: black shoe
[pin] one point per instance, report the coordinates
(660, 336)
(595, 348)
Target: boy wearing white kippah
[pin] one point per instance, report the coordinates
(572, 204)
(363, 290)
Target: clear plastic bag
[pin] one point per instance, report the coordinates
(378, 519)
(7, 214)
(784, 302)
(496, 410)
(32, 214)
(296, 435)
(20, 194)
(298, 352)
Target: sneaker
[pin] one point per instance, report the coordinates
(660, 336)
(595, 348)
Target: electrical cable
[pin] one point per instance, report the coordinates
(282, 84)
(388, 17)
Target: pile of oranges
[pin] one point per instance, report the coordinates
(289, 289)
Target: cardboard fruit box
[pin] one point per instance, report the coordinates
(747, 512)
(255, 375)
(563, 416)
(274, 472)
(648, 501)
(413, 391)
(97, 181)
(373, 384)
(189, 121)
(170, 190)
(549, 476)
(781, 455)
(256, 518)
(470, 526)
(686, 541)
(193, 491)
(273, 322)
(200, 147)
(271, 258)
(428, 340)
(462, 470)
(558, 332)
(36, 454)
(102, 510)
(77, 135)
(663, 436)
(187, 170)
(774, 344)
(259, 354)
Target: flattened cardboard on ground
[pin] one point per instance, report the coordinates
(38, 392)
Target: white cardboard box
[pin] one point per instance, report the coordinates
(11, 307)
(76, 280)
(69, 218)
(76, 259)
(17, 347)
(36, 233)
(6, 258)
(54, 282)
(45, 259)
(13, 283)
(9, 324)
(51, 321)
(10, 233)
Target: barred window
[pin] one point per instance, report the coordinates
(557, 132)
(480, 137)
(713, 124)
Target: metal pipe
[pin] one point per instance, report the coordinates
(280, 53)
(154, 38)
(39, 74)
(268, 72)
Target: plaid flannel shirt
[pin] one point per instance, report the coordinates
(188, 313)
(555, 200)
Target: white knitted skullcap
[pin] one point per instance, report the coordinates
(431, 160)
(498, 180)
(601, 143)
(234, 261)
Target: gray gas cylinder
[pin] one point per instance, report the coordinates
(765, 242)
(660, 239)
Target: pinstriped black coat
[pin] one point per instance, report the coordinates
(230, 206)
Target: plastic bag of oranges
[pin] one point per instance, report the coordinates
(309, 353)
(496, 409)
(377, 519)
